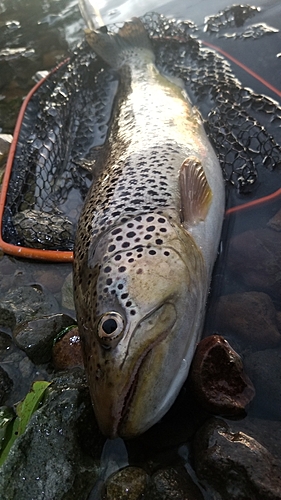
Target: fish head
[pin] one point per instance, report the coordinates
(139, 326)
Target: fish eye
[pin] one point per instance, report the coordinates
(110, 329)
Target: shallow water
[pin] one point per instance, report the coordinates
(36, 36)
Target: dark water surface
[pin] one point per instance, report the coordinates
(36, 36)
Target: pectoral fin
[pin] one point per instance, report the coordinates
(196, 194)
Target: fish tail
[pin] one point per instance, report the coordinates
(116, 48)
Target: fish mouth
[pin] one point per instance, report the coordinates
(122, 427)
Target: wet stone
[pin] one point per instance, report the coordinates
(263, 270)
(235, 464)
(36, 337)
(126, 484)
(275, 221)
(55, 466)
(49, 278)
(5, 344)
(172, 483)
(22, 372)
(6, 385)
(67, 293)
(218, 379)
(251, 316)
(25, 303)
(67, 351)
(5, 143)
(264, 368)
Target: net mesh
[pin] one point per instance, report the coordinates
(66, 122)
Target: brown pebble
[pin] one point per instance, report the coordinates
(67, 351)
(218, 379)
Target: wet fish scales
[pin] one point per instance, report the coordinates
(146, 242)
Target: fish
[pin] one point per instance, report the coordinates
(146, 241)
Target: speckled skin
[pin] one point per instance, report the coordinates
(138, 256)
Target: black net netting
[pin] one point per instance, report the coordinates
(66, 123)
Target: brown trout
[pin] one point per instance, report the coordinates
(146, 242)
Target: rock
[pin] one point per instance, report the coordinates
(267, 433)
(235, 464)
(36, 337)
(67, 352)
(5, 143)
(251, 316)
(172, 483)
(218, 380)
(275, 221)
(255, 258)
(67, 293)
(26, 303)
(55, 466)
(126, 484)
(6, 385)
(50, 277)
(264, 368)
(22, 372)
(5, 344)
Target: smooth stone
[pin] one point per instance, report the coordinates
(275, 221)
(251, 316)
(235, 464)
(56, 467)
(172, 483)
(36, 337)
(50, 278)
(264, 368)
(25, 303)
(5, 143)
(126, 484)
(67, 299)
(67, 351)
(218, 379)
(6, 385)
(255, 259)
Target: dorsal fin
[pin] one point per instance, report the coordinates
(196, 194)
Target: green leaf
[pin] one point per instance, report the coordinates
(14, 424)
(10, 437)
(29, 405)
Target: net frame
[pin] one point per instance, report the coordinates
(15, 250)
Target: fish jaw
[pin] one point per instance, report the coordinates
(119, 381)
(134, 382)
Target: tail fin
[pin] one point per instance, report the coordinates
(114, 48)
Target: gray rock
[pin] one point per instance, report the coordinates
(22, 372)
(264, 368)
(250, 316)
(235, 464)
(255, 259)
(6, 385)
(173, 483)
(67, 293)
(25, 303)
(36, 337)
(47, 462)
(5, 143)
